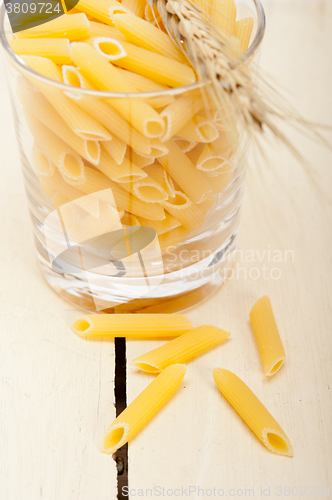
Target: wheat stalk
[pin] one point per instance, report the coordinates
(227, 77)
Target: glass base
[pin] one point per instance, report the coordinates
(178, 291)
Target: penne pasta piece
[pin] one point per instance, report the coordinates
(68, 162)
(161, 176)
(223, 15)
(143, 408)
(138, 159)
(99, 29)
(41, 164)
(161, 226)
(181, 349)
(116, 149)
(58, 201)
(106, 77)
(191, 181)
(89, 203)
(195, 153)
(110, 48)
(155, 66)
(183, 209)
(207, 204)
(147, 190)
(36, 104)
(130, 220)
(116, 124)
(253, 412)
(126, 172)
(73, 27)
(78, 121)
(267, 336)
(157, 149)
(56, 50)
(108, 220)
(137, 7)
(185, 145)
(170, 240)
(243, 30)
(221, 181)
(99, 9)
(147, 326)
(97, 182)
(178, 113)
(143, 84)
(144, 34)
(199, 129)
(215, 155)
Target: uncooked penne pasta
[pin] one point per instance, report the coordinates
(73, 27)
(191, 181)
(108, 220)
(184, 210)
(117, 149)
(161, 226)
(207, 203)
(116, 124)
(68, 162)
(267, 336)
(143, 408)
(56, 50)
(199, 129)
(243, 30)
(253, 412)
(138, 159)
(178, 113)
(147, 190)
(110, 48)
(99, 29)
(36, 104)
(147, 326)
(155, 66)
(96, 181)
(126, 172)
(78, 121)
(99, 9)
(161, 176)
(137, 7)
(143, 84)
(130, 220)
(170, 240)
(185, 145)
(219, 182)
(41, 163)
(106, 77)
(215, 155)
(89, 203)
(145, 35)
(223, 15)
(181, 349)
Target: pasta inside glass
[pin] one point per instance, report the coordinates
(114, 129)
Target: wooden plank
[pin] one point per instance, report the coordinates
(57, 393)
(198, 440)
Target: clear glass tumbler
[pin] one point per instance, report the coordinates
(124, 222)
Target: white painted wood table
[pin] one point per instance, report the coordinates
(57, 392)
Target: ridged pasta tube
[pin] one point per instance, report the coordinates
(253, 412)
(182, 349)
(147, 326)
(143, 408)
(73, 27)
(267, 336)
(106, 77)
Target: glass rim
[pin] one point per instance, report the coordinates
(106, 94)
